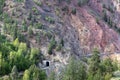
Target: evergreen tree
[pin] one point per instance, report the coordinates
(26, 75)
(75, 70)
(95, 62)
(14, 73)
(94, 71)
(15, 31)
(16, 43)
(105, 16)
(24, 26)
(36, 73)
(51, 46)
(107, 66)
(108, 76)
(30, 31)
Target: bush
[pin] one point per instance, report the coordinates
(50, 19)
(74, 11)
(59, 47)
(51, 46)
(39, 26)
(30, 31)
(62, 42)
(34, 9)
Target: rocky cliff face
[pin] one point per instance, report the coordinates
(93, 31)
(82, 28)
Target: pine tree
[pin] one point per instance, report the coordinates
(26, 75)
(75, 70)
(14, 73)
(15, 31)
(16, 42)
(95, 62)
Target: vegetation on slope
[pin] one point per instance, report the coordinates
(96, 69)
(20, 62)
(16, 58)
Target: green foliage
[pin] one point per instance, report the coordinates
(1, 6)
(111, 9)
(16, 42)
(16, 53)
(26, 75)
(35, 55)
(38, 38)
(2, 38)
(23, 47)
(30, 16)
(24, 27)
(21, 37)
(108, 76)
(62, 42)
(50, 19)
(51, 46)
(14, 73)
(39, 26)
(34, 9)
(49, 35)
(34, 73)
(39, 3)
(30, 31)
(74, 11)
(108, 66)
(97, 20)
(59, 47)
(75, 70)
(10, 26)
(100, 69)
(105, 15)
(94, 63)
(15, 31)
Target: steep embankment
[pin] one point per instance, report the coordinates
(61, 28)
(93, 30)
(94, 24)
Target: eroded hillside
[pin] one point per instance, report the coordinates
(54, 30)
(60, 28)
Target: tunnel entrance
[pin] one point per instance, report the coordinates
(47, 64)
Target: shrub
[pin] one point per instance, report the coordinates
(59, 47)
(34, 9)
(30, 31)
(51, 46)
(39, 25)
(50, 19)
(74, 11)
